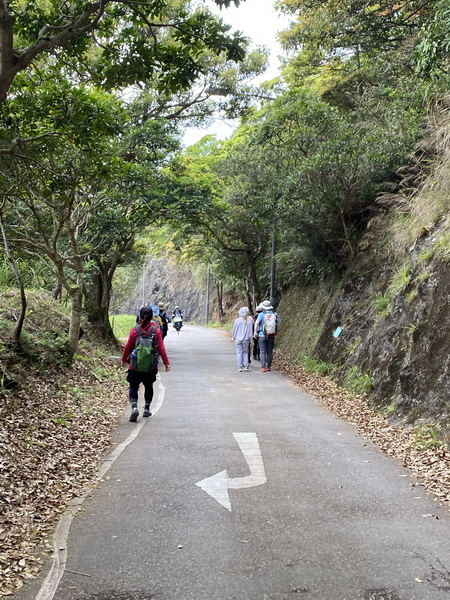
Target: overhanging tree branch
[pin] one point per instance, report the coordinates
(17, 142)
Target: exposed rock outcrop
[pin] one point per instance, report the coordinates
(164, 281)
(388, 318)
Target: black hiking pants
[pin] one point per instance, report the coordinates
(135, 378)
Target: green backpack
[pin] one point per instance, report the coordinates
(144, 357)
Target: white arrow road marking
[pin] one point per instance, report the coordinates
(217, 486)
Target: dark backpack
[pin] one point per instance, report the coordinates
(165, 321)
(144, 357)
(270, 324)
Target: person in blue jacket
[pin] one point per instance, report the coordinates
(266, 327)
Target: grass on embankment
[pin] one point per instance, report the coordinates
(122, 325)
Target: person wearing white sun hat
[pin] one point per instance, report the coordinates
(266, 327)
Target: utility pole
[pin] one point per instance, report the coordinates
(273, 265)
(207, 295)
(273, 268)
(143, 284)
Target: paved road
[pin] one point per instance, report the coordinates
(301, 506)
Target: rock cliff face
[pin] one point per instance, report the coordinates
(393, 307)
(388, 318)
(164, 281)
(404, 348)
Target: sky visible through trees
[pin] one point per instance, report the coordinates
(258, 20)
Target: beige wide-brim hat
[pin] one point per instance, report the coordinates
(266, 305)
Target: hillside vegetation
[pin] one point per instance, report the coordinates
(391, 304)
(55, 424)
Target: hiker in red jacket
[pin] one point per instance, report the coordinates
(134, 377)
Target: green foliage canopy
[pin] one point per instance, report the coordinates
(112, 43)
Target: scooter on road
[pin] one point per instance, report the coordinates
(177, 323)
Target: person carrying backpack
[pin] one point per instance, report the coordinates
(141, 354)
(266, 327)
(165, 318)
(157, 315)
(255, 342)
(138, 314)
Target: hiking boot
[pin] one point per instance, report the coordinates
(268, 369)
(240, 370)
(246, 368)
(263, 369)
(134, 415)
(146, 413)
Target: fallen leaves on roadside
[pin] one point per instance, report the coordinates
(430, 466)
(52, 436)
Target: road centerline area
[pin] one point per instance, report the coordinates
(311, 506)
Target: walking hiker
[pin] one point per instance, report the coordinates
(156, 315)
(242, 335)
(138, 313)
(255, 341)
(164, 318)
(266, 327)
(141, 354)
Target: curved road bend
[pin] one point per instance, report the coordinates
(242, 487)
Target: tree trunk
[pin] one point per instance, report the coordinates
(253, 276)
(248, 297)
(75, 318)
(219, 288)
(57, 291)
(97, 301)
(23, 298)
(6, 50)
(98, 293)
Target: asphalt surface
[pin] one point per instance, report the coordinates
(325, 516)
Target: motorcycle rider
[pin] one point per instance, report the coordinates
(177, 318)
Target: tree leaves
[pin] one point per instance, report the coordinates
(434, 48)
(227, 3)
(113, 44)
